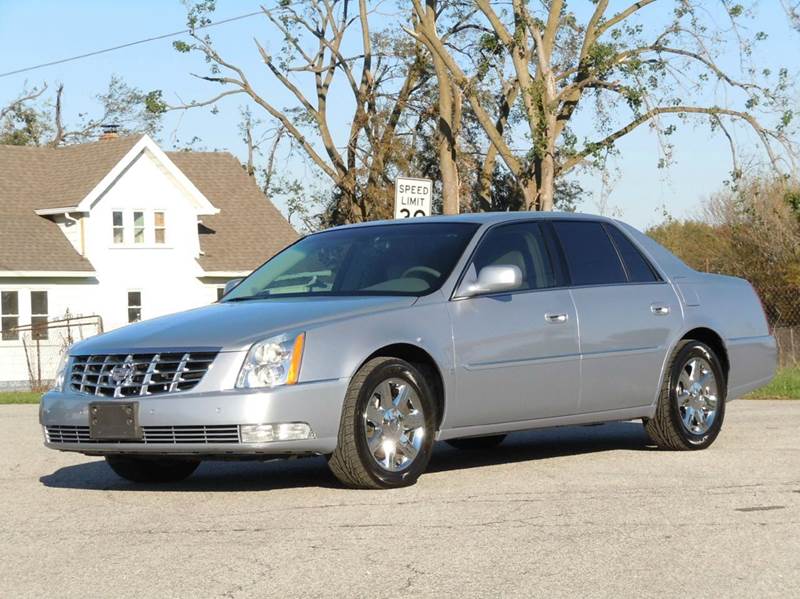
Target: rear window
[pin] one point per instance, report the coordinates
(590, 255)
(639, 270)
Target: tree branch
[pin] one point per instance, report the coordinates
(609, 140)
(621, 16)
(58, 137)
(26, 97)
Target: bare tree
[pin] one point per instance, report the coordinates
(310, 61)
(449, 108)
(552, 66)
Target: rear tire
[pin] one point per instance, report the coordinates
(150, 470)
(691, 405)
(476, 443)
(387, 427)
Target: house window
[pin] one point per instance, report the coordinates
(220, 293)
(160, 227)
(138, 227)
(39, 314)
(9, 314)
(134, 306)
(118, 227)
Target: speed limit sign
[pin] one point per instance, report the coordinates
(412, 197)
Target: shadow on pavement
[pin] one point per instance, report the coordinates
(313, 472)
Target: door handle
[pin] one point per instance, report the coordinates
(554, 318)
(659, 309)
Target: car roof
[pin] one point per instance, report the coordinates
(482, 218)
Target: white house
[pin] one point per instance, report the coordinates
(122, 230)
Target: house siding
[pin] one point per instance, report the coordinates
(64, 296)
(167, 275)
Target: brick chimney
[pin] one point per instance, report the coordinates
(110, 131)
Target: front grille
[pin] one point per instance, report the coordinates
(152, 435)
(134, 375)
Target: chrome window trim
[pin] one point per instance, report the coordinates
(661, 279)
(638, 250)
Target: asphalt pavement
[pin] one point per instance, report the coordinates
(570, 512)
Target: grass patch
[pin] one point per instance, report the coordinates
(10, 397)
(785, 385)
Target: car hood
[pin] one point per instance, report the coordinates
(233, 326)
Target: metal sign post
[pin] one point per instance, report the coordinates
(412, 197)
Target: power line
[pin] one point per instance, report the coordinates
(128, 45)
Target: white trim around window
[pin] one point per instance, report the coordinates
(139, 228)
(9, 314)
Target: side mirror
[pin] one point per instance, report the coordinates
(495, 279)
(230, 286)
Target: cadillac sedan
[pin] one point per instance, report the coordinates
(368, 343)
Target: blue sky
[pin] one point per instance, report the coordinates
(36, 31)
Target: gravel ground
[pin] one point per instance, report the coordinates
(580, 511)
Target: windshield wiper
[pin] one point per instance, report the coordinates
(243, 299)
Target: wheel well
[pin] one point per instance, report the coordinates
(714, 341)
(425, 363)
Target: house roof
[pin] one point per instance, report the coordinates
(247, 230)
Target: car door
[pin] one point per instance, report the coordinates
(516, 353)
(626, 315)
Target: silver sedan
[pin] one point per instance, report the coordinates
(367, 343)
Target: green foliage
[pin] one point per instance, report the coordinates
(793, 199)
(26, 126)
(153, 102)
(752, 231)
(697, 243)
(181, 46)
(133, 111)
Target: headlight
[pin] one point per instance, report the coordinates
(61, 372)
(272, 362)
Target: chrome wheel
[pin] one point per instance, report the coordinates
(697, 395)
(394, 424)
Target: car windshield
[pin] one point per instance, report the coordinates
(403, 259)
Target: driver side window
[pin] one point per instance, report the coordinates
(523, 245)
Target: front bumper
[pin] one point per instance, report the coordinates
(318, 404)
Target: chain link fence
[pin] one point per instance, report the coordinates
(782, 306)
(43, 342)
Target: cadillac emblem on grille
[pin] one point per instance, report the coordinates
(122, 374)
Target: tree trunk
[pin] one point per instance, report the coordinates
(547, 184)
(485, 180)
(449, 115)
(530, 193)
(450, 186)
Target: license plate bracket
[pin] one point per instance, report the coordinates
(114, 421)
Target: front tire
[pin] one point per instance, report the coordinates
(691, 406)
(151, 470)
(387, 427)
